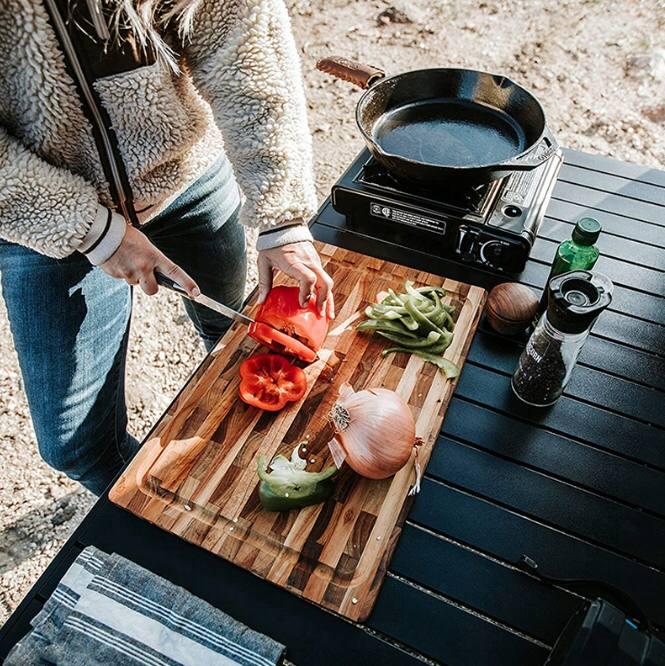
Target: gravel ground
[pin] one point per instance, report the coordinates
(599, 69)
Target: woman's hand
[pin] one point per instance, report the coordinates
(300, 261)
(136, 261)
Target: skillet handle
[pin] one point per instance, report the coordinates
(535, 157)
(357, 73)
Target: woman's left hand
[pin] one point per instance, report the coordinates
(301, 262)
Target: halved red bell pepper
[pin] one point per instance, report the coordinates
(270, 381)
(291, 328)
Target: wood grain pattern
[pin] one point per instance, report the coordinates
(196, 474)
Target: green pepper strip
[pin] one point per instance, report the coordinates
(373, 313)
(442, 314)
(422, 319)
(432, 341)
(410, 323)
(388, 326)
(449, 369)
(437, 348)
(426, 343)
(382, 308)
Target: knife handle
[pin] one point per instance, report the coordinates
(167, 282)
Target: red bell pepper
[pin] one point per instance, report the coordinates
(269, 382)
(291, 328)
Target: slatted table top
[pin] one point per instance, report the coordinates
(579, 487)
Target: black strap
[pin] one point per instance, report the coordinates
(98, 60)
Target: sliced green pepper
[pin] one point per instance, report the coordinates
(449, 369)
(410, 322)
(441, 317)
(289, 485)
(424, 343)
(423, 320)
(387, 326)
(272, 501)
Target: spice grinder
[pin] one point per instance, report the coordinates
(575, 300)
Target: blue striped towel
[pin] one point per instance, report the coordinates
(108, 610)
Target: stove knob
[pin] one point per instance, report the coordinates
(466, 244)
(491, 252)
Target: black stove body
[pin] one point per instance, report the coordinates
(492, 226)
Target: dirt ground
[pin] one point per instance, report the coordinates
(599, 69)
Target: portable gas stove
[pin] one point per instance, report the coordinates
(493, 225)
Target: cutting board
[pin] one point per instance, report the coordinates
(195, 476)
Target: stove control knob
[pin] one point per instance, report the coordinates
(491, 252)
(467, 244)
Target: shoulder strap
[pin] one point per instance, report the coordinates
(98, 57)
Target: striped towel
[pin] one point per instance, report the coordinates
(108, 610)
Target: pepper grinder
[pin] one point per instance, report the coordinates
(575, 300)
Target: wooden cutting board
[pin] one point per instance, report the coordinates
(196, 476)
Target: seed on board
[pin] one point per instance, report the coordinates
(354, 600)
(378, 538)
(312, 461)
(188, 507)
(230, 529)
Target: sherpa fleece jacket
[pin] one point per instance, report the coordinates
(239, 89)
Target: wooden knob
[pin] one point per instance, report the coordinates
(511, 307)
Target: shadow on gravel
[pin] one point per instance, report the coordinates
(20, 540)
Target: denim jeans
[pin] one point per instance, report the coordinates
(70, 324)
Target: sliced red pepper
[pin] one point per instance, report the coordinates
(280, 342)
(291, 328)
(270, 381)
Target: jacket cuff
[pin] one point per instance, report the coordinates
(104, 236)
(292, 233)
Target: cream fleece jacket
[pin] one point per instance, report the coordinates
(239, 90)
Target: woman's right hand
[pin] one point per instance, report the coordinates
(136, 261)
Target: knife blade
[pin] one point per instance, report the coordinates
(203, 300)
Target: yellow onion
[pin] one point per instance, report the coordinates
(375, 431)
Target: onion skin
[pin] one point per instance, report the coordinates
(376, 429)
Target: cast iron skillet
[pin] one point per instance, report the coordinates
(435, 127)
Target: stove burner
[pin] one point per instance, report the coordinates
(492, 225)
(465, 199)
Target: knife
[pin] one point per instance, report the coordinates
(203, 300)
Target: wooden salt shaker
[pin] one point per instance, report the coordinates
(511, 307)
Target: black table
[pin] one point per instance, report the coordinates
(579, 487)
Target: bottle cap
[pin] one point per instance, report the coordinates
(586, 231)
(576, 299)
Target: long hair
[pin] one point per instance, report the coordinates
(146, 20)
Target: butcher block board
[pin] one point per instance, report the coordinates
(196, 475)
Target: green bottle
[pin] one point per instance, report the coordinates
(578, 253)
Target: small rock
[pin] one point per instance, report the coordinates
(651, 64)
(63, 515)
(180, 319)
(655, 113)
(393, 14)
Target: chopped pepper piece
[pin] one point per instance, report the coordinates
(288, 486)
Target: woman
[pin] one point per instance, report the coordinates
(116, 120)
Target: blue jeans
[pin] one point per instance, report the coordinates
(70, 324)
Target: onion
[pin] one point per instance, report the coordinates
(375, 431)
